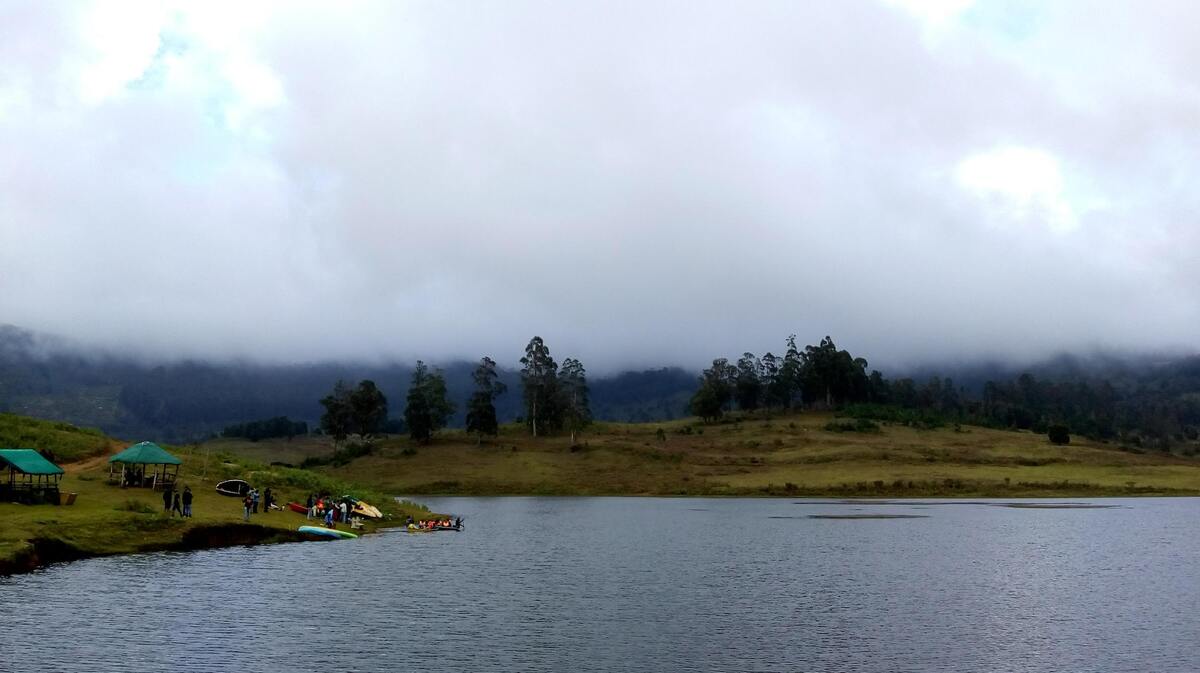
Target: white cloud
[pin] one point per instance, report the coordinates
(645, 182)
(1020, 185)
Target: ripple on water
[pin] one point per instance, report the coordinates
(629, 584)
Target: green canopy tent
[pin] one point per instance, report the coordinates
(134, 462)
(31, 478)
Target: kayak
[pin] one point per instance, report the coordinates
(297, 507)
(327, 532)
(361, 508)
(367, 511)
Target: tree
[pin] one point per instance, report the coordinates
(427, 408)
(369, 408)
(481, 407)
(572, 385)
(1059, 434)
(539, 385)
(338, 417)
(716, 390)
(791, 373)
(773, 394)
(748, 385)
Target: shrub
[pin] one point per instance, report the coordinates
(137, 506)
(1059, 434)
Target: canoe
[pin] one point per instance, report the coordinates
(412, 528)
(327, 532)
(297, 507)
(233, 487)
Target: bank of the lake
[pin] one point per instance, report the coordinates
(106, 519)
(804, 454)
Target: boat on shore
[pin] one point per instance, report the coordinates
(297, 507)
(233, 487)
(362, 509)
(327, 532)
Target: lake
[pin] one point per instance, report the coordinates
(648, 584)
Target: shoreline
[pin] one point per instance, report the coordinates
(42, 552)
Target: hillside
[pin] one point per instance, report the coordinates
(787, 455)
(107, 519)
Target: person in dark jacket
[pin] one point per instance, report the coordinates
(177, 506)
(187, 501)
(247, 503)
(166, 499)
(267, 499)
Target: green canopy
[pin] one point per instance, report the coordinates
(28, 461)
(146, 453)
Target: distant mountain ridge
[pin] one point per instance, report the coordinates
(47, 377)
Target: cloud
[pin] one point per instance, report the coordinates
(639, 183)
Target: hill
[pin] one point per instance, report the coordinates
(802, 454)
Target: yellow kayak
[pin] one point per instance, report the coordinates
(366, 511)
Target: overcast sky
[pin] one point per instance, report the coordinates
(639, 183)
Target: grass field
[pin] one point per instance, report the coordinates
(107, 519)
(792, 455)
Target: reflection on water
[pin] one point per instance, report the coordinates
(632, 584)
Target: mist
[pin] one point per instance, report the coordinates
(641, 184)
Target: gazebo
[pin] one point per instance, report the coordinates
(31, 478)
(144, 464)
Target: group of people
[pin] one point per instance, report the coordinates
(434, 524)
(251, 500)
(177, 502)
(327, 509)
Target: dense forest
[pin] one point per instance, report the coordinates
(1140, 401)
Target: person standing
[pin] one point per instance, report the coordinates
(329, 518)
(345, 511)
(166, 499)
(187, 502)
(311, 504)
(177, 505)
(254, 499)
(267, 498)
(247, 503)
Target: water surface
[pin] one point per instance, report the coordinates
(644, 584)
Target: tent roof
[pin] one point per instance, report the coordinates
(146, 453)
(28, 461)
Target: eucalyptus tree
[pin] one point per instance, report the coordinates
(427, 408)
(539, 385)
(481, 407)
(573, 388)
(338, 418)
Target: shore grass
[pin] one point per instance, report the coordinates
(108, 519)
(783, 455)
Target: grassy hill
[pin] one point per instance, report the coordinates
(67, 442)
(107, 519)
(789, 455)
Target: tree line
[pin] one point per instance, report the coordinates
(280, 426)
(555, 400)
(817, 376)
(1156, 408)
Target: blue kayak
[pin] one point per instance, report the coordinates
(327, 532)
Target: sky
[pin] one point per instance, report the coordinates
(639, 183)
